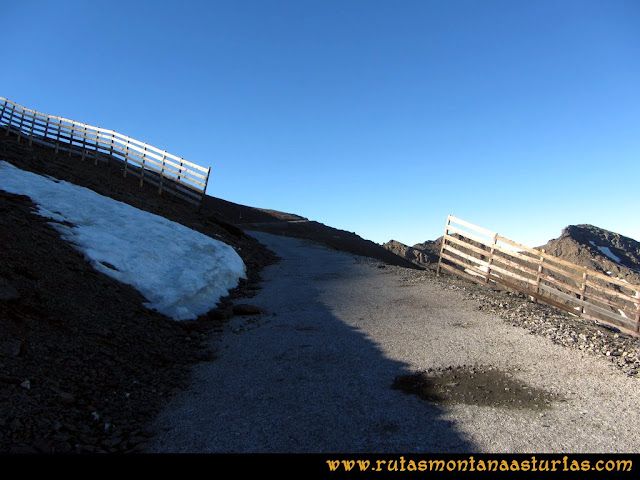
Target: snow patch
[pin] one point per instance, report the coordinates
(607, 251)
(182, 273)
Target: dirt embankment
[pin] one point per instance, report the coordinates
(84, 366)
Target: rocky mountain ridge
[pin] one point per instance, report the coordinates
(598, 249)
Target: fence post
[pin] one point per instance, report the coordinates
(4, 107)
(21, 123)
(126, 158)
(97, 134)
(71, 132)
(13, 109)
(637, 311)
(144, 155)
(444, 239)
(84, 143)
(46, 129)
(204, 190)
(58, 135)
(491, 252)
(539, 275)
(164, 158)
(583, 288)
(33, 124)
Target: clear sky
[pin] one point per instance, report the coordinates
(376, 117)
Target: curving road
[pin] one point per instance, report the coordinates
(312, 374)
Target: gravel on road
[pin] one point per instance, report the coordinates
(350, 355)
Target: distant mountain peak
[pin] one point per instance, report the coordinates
(598, 249)
(424, 254)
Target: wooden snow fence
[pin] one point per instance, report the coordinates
(167, 172)
(477, 254)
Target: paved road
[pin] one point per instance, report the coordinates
(313, 373)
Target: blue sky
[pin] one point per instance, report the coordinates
(377, 117)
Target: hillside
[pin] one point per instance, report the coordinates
(586, 245)
(424, 254)
(84, 367)
(598, 249)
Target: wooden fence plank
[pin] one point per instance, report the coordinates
(471, 226)
(87, 140)
(580, 289)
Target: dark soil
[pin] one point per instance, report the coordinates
(90, 364)
(84, 366)
(481, 385)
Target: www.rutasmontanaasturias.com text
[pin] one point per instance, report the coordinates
(564, 464)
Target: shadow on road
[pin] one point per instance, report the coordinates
(299, 379)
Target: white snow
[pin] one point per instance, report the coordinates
(182, 273)
(606, 251)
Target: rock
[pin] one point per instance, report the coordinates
(22, 448)
(137, 441)
(63, 447)
(15, 424)
(205, 355)
(66, 399)
(26, 384)
(220, 314)
(246, 309)
(43, 446)
(10, 348)
(112, 442)
(8, 292)
(10, 379)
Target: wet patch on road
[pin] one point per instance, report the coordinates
(481, 385)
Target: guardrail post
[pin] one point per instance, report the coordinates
(444, 239)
